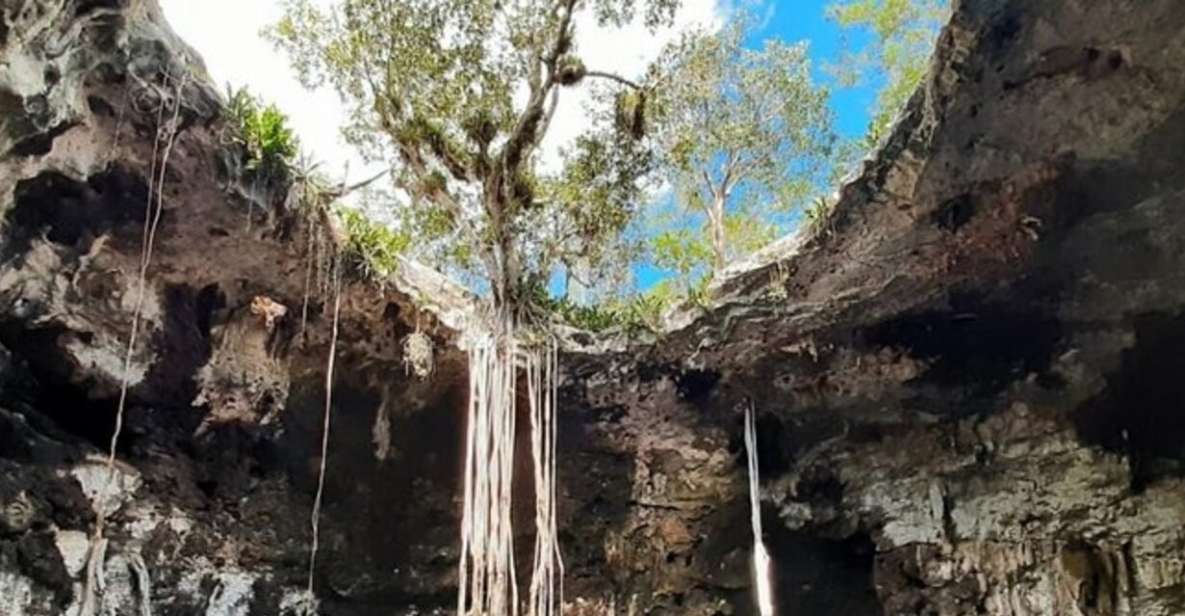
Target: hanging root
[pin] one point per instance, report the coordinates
(94, 582)
(308, 281)
(487, 585)
(547, 579)
(315, 521)
(761, 563)
(166, 134)
(487, 572)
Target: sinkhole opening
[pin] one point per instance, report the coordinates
(822, 576)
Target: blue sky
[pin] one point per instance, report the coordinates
(798, 20)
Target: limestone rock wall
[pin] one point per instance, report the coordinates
(222, 425)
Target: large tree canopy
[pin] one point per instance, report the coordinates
(744, 133)
(458, 96)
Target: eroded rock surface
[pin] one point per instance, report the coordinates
(965, 381)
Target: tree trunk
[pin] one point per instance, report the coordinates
(719, 247)
(503, 264)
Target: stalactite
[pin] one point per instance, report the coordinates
(762, 566)
(380, 432)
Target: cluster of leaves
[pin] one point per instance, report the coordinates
(596, 196)
(683, 251)
(263, 132)
(687, 252)
(817, 213)
(590, 317)
(371, 248)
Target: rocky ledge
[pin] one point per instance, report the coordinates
(965, 380)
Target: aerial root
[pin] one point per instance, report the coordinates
(315, 520)
(487, 571)
(166, 137)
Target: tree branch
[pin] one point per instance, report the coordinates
(708, 185)
(744, 168)
(526, 129)
(441, 150)
(344, 190)
(730, 168)
(542, 132)
(613, 77)
(416, 165)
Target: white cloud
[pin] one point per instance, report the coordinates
(226, 34)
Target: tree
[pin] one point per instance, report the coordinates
(458, 95)
(744, 134)
(903, 38)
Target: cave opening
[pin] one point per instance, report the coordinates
(183, 343)
(822, 576)
(73, 213)
(86, 7)
(86, 409)
(696, 386)
(54, 393)
(954, 213)
(772, 458)
(41, 144)
(1139, 412)
(402, 494)
(998, 344)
